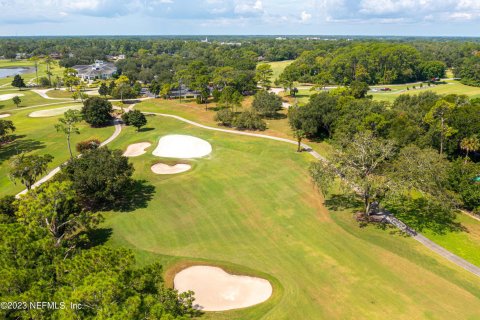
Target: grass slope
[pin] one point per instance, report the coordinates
(251, 206)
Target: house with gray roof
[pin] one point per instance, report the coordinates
(98, 70)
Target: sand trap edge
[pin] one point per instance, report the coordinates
(268, 294)
(165, 169)
(137, 149)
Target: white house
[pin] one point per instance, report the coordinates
(98, 70)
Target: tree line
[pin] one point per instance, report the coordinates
(419, 156)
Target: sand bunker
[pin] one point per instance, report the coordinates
(161, 168)
(182, 147)
(216, 290)
(5, 115)
(4, 97)
(136, 149)
(52, 112)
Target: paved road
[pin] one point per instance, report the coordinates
(420, 238)
(116, 133)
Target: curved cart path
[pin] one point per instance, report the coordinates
(43, 94)
(420, 238)
(116, 133)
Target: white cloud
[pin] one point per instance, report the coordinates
(248, 7)
(305, 16)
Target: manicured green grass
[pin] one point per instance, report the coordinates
(38, 136)
(60, 94)
(451, 87)
(192, 111)
(465, 244)
(278, 67)
(251, 207)
(29, 99)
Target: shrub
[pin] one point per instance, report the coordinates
(249, 120)
(44, 82)
(225, 117)
(86, 145)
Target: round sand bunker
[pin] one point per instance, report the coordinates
(136, 149)
(5, 97)
(5, 115)
(52, 112)
(217, 290)
(182, 147)
(161, 168)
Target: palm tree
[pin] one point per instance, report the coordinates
(469, 144)
(35, 60)
(48, 62)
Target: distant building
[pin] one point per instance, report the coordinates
(98, 70)
(56, 55)
(183, 92)
(238, 44)
(21, 55)
(115, 58)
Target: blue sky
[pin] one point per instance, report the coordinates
(167, 17)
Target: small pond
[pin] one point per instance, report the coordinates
(10, 72)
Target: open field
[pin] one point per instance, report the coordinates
(450, 87)
(268, 220)
(38, 136)
(278, 67)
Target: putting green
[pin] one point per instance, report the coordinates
(52, 112)
(252, 207)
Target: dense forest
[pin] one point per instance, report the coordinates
(331, 61)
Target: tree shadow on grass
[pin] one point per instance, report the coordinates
(137, 197)
(337, 202)
(422, 214)
(17, 146)
(98, 237)
(146, 129)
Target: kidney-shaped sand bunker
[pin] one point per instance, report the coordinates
(217, 290)
(182, 147)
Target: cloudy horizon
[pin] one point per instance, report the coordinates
(240, 17)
